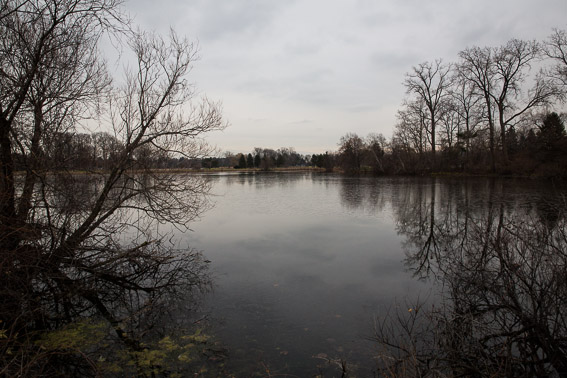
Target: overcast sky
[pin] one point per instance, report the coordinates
(301, 74)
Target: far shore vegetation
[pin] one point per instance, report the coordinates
(536, 152)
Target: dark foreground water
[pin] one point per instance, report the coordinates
(305, 263)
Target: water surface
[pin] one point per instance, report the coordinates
(303, 263)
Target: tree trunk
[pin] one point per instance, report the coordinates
(503, 134)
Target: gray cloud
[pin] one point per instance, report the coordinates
(219, 19)
(339, 65)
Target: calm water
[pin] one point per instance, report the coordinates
(303, 263)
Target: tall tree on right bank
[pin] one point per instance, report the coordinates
(499, 75)
(556, 48)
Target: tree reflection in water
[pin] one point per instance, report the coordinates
(113, 305)
(500, 265)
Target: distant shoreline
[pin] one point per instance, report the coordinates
(305, 169)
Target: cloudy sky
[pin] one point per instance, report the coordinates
(302, 73)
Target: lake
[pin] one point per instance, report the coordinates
(305, 263)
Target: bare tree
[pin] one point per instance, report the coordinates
(105, 149)
(556, 48)
(79, 246)
(499, 75)
(469, 108)
(376, 147)
(351, 150)
(450, 123)
(476, 68)
(512, 64)
(430, 83)
(412, 123)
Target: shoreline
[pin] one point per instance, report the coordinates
(305, 169)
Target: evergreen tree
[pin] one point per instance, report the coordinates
(551, 132)
(242, 161)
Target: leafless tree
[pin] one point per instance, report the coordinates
(75, 246)
(450, 123)
(470, 112)
(512, 63)
(412, 125)
(476, 68)
(556, 48)
(376, 147)
(106, 148)
(499, 75)
(430, 83)
(351, 150)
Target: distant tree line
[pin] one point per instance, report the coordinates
(540, 150)
(489, 112)
(261, 158)
(73, 150)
